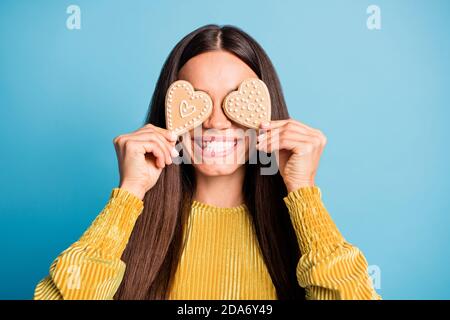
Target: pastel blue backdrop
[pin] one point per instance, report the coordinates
(381, 97)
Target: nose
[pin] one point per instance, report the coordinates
(217, 119)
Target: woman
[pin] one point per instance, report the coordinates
(213, 230)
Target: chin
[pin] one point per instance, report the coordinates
(214, 170)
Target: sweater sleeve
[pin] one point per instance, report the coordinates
(91, 267)
(330, 268)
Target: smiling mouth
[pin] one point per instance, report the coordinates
(216, 146)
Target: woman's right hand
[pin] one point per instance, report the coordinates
(142, 155)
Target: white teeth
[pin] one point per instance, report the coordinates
(217, 146)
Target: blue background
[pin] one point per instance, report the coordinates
(381, 97)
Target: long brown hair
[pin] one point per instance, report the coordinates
(155, 245)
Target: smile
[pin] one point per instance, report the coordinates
(216, 146)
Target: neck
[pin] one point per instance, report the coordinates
(221, 191)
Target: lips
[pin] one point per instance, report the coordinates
(216, 146)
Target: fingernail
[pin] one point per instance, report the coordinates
(173, 136)
(261, 136)
(174, 152)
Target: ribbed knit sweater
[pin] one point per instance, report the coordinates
(221, 258)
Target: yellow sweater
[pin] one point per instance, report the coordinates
(221, 259)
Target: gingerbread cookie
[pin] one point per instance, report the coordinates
(250, 104)
(185, 107)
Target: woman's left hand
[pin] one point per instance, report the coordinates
(297, 147)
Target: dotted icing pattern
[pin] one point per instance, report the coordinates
(250, 104)
(185, 107)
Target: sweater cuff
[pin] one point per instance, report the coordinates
(313, 225)
(112, 228)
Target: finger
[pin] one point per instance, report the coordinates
(155, 150)
(168, 134)
(291, 135)
(287, 130)
(287, 144)
(265, 136)
(284, 132)
(291, 124)
(168, 146)
(277, 140)
(279, 124)
(164, 148)
(314, 130)
(154, 137)
(140, 147)
(266, 125)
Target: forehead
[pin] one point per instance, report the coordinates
(216, 72)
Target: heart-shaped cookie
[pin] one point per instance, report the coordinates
(250, 104)
(185, 107)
